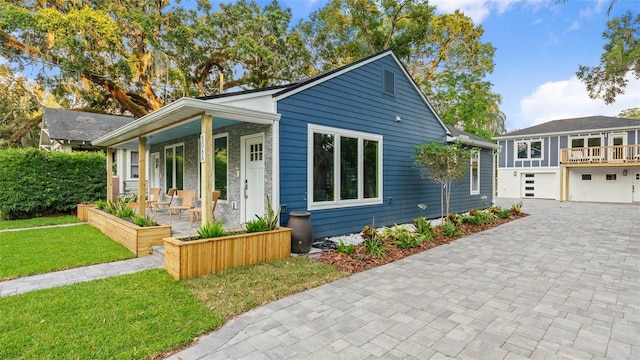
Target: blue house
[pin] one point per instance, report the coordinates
(339, 145)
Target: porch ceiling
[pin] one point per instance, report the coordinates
(181, 118)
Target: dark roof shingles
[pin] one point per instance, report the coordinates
(576, 125)
(81, 126)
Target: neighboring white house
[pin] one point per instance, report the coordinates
(594, 158)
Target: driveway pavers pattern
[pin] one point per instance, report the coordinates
(563, 283)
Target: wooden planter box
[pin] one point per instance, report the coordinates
(83, 210)
(135, 238)
(185, 259)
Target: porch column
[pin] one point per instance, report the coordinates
(206, 167)
(109, 174)
(566, 184)
(142, 175)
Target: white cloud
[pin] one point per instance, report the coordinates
(569, 99)
(478, 10)
(574, 26)
(591, 11)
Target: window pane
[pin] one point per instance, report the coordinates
(348, 168)
(180, 167)
(323, 167)
(134, 165)
(475, 174)
(536, 149)
(523, 150)
(168, 167)
(577, 143)
(370, 169)
(220, 180)
(594, 142)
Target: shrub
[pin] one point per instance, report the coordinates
(423, 227)
(101, 204)
(450, 229)
(271, 217)
(257, 225)
(37, 182)
(494, 210)
(454, 218)
(504, 214)
(374, 247)
(369, 233)
(346, 249)
(212, 230)
(144, 221)
(516, 208)
(473, 220)
(125, 213)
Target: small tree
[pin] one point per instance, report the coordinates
(443, 164)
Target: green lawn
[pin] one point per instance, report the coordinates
(143, 315)
(37, 251)
(41, 221)
(127, 317)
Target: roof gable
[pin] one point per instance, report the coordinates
(72, 125)
(574, 125)
(315, 80)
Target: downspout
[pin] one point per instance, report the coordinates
(275, 162)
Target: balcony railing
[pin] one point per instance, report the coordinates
(601, 154)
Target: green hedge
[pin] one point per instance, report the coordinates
(36, 182)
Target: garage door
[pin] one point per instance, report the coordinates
(538, 185)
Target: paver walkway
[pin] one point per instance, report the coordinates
(71, 276)
(563, 283)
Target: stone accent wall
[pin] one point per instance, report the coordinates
(224, 209)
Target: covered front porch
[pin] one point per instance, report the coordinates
(199, 145)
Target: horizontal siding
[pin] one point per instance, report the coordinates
(461, 198)
(354, 101)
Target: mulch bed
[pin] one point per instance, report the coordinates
(359, 261)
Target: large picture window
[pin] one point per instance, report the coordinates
(475, 171)
(345, 167)
(529, 149)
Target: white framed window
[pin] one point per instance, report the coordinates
(529, 149)
(581, 141)
(344, 168)
(474, 172)
(174, 166)
(134, 160)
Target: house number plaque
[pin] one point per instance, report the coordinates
(202, 157)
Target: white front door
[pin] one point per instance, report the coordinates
(252, 177)
(154, 170)
(636, 186)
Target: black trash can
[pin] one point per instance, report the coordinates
(301, 231)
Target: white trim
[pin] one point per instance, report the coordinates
(275, 165)
(164, 153)
(357, 64)
(337, 202)
(476, 155)
(180, 111)
(130, 164)
(528, 158)
(577, 131)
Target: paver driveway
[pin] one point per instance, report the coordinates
(563, 283)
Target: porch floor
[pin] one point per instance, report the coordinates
(178, 226)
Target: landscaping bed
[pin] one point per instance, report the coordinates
(360, 261)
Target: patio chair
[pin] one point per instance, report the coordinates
(187, 197)
(194, 214)
(152, 199)
(171, 193)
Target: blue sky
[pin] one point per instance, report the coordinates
(540, 45)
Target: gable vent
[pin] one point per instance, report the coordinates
(389, 82)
